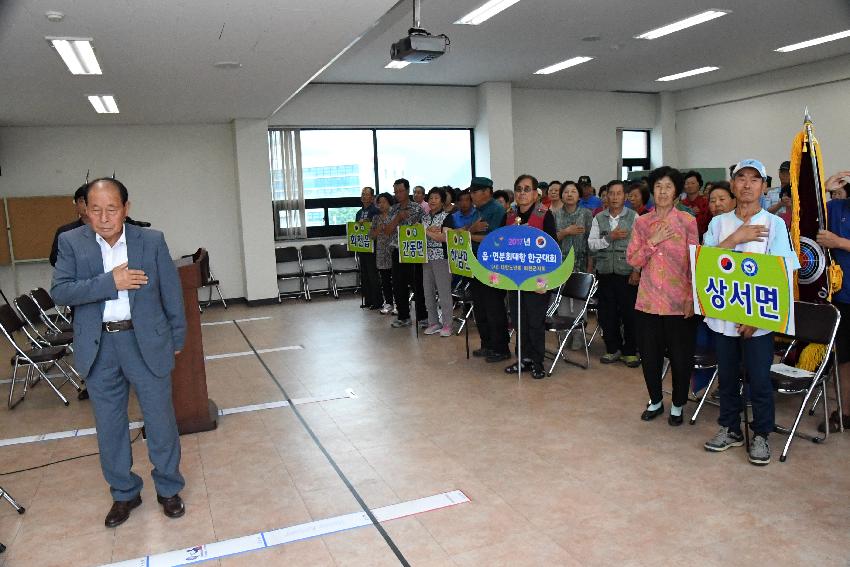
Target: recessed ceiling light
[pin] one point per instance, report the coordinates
(54, 16)
(690, 73)
(104, 104)
(562, 65)
(77, 53)
(485, 12)
(227, 64)
(816, 41)
(683, 24)
(396, 64)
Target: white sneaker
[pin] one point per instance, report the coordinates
(387, 308)
(433, 329)
(446, 331)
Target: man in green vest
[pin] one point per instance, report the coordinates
(609, 237)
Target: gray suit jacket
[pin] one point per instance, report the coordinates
(156, 308)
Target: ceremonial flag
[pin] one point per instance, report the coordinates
(819, 276)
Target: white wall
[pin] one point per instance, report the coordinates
(565, 134)
(759, 117)
(256, 221)
(380, 105)
(180, 178)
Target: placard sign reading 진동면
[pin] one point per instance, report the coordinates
(742, 287)
(521, 257)
(412, 244)
(460, 251)
(357, 236)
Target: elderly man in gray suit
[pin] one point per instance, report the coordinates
(128, 326)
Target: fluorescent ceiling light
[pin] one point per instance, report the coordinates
(78, 54)
(816, 41)
(396, 64)
(485, 12)
(562, 65)
(690, 73)
(683, 24)
(104, 104)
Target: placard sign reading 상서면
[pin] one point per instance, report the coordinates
(411, 244)
(521, 257)
(742, 287)
(357, 236)
(459, 247)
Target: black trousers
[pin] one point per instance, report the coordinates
(617, 309)
(672, 336)
(370, 283)
(488, 306)
(408, 277)
(387, 286)
(532, 323)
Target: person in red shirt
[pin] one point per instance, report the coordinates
(696, 202)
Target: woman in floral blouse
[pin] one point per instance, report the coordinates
(664, 308)
(436, 277)
(383, 252)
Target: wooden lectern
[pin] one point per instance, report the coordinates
(194, 410)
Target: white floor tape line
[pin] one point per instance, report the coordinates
(230, 321)
(251, 353)
(262, 540)
(349, 393)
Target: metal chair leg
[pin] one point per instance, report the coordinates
(793, 431)
(586, 345)
(8, 497)
(50, 383)
(815, 403)
(221, 297)
(12, 387)
(838, 392)
(704, 397)
(558, 354)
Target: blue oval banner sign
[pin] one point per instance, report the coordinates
(522, 254)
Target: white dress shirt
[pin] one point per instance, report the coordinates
(594, 242)
(115, 309)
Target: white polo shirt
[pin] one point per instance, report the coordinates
(115, 309)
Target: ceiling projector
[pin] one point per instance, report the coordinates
(419, 47)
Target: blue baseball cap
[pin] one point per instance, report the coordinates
(753, 163)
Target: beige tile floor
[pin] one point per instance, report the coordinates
(559, 471)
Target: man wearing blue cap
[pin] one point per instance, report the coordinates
(749, 228)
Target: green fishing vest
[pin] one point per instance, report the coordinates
(612, 260)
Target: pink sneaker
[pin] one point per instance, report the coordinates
(433, 329)
(446, 331)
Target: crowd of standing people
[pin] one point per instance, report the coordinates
(634, 236)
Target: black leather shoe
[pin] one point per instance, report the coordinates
(498, 356)
(649, 415)
(675, 420)
(83, 395)
(120, 511)
(538, 373)
(172, 507)
(481, 352)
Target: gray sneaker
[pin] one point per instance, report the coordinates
(400, 323)
(759, 451)
(610, 358)
(724, 439)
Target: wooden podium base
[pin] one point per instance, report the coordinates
(204, 423)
